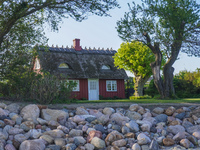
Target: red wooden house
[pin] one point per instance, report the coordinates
(92, 69)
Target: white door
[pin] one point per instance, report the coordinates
(93, 89)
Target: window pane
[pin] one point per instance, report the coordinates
(105, 67)
(63, 65)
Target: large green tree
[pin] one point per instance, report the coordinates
(168, 25)
(135, 57)
(22, 23)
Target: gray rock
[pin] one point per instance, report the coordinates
(125, 130)
(186, 143)
(133, 126)
(197, 134)
(136, 146)
(158, 110)
(47, 138)
(175, 129)
(3, 106)
(133, 115)
(14, 108)
(192, 139)
(9, 147)
(143, 139)
(30, 144)
(89, 146)
(119, 119)
(179, 136)
(108, 111)
(75, 132)
(42, 121)
(187, 124)
(98, 143)
(20, 137)
(80, 140)
(55, 133)
(59, 141)
(51, 114)
(54, 147)
(30, 111)
(99, 127)
(81, 111)
(3, 135)
(180, 116)
(193, 129)
(134, 107)
(161, 118)
(70, 146)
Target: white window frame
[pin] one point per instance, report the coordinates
(77, 88)
(113, 85)
(37, 64)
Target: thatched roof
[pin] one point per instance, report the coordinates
(85, 63)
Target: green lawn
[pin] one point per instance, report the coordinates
(185, 100)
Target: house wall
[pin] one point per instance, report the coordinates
(83, 89)
(120, 89)
(83, 92)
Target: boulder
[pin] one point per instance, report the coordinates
(51, 114)
(30, 112)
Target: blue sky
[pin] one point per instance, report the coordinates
(101, 32)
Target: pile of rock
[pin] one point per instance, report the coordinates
(35, 127)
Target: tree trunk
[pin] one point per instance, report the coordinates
(168, 82)
(165, 88)
(139, 85)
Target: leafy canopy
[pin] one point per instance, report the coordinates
(134, 57)
(171, 23)
(22, 22)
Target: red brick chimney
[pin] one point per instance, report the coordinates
(76, 44)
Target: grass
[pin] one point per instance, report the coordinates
(185, 100)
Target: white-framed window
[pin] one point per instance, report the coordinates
(76, 88)
(105, 67)
(111, 85)
(37, 64)
(63, 66)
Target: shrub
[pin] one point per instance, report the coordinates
(50, 88)
(140, 97)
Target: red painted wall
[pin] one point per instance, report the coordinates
(83, 86)
(83, 89)
(120, 89)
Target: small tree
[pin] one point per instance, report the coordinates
(135, 57)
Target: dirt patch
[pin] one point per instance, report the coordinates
(150, 106)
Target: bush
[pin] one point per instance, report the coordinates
(50, 88)
(151, 89)
(140, 97)
(17, 84)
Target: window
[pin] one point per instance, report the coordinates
(76, 88)
(37, 64)
(63, 66)
(105, 67)
(111, 85)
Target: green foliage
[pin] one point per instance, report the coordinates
(151, 89)
(186, 84)
(140, 97)
(167, 26)
(134, 57)
(22, 23)
(129, 83)
(50, 88)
